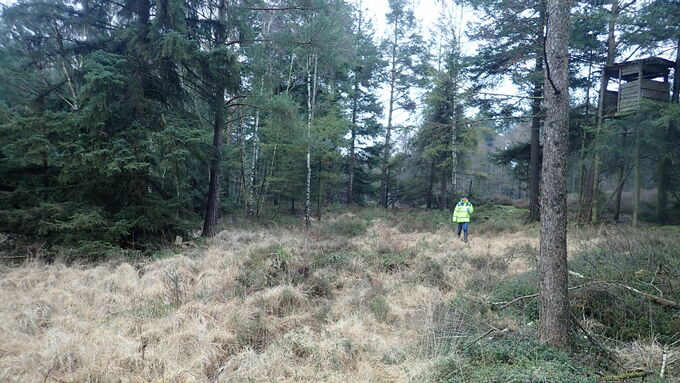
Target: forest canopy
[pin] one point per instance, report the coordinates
(128, 123)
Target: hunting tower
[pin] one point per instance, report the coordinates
(637, 79)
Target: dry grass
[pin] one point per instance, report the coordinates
(253, 308)
(647, 355)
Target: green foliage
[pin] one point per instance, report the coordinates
(507, 290)
(346, 226)
(388, 259)
(500, 219)
(517, 157)
(266, 267)
(157, 310)
(336, 259)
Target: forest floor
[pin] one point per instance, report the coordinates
(364, 296)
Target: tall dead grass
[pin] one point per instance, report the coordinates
(375, 309)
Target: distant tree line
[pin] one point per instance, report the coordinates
(130, 122)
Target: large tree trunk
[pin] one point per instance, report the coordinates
(350, 183)
(213, 206)
(242, 161)
(555, 316)
(535, 160)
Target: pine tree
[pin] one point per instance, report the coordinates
(403, 50)
(364, 105)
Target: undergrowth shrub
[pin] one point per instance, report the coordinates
(507, 290)
(346, 226)
(497, 219)
(647, 260)
(386, 258)
(513, 357)
(423, 221)
(451, 324)
(431, 272)
(336, 259)
(266, 267)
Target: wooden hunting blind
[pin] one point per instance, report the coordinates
(637, 79)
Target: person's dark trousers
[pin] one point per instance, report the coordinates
(464, 227)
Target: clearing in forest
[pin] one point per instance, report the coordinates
(364, 296)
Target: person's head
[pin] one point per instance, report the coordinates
(465, 198)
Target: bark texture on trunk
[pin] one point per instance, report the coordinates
(311, 100)
(554, 323)
(213, 206)
(535, 160)
(253, 167)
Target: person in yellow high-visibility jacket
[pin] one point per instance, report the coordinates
(461, 215)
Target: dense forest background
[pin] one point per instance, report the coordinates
(126, 123)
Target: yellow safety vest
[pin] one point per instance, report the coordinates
(463, 211)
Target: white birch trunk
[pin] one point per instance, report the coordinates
(311, 95)
(251, 186)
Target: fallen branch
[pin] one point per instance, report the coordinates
(654, 298)
(506, 304)
(594, 341)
